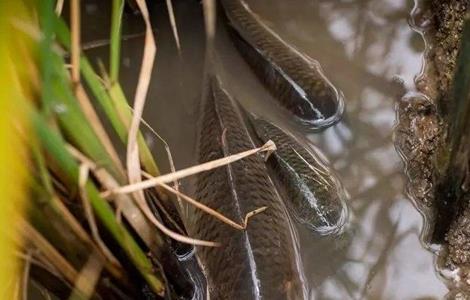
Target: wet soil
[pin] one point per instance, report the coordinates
(421, 138)
(418, 135)
(441, 22)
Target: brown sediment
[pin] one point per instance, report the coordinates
(458, 239)
(418, 135)
(443, 37)
(422, 129)
(422, 139)
(449, 20)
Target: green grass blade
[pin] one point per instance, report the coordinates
(115, 49)
(59, 100)
(55, 147)
(113, 102)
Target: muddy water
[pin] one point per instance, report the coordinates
(363, 47)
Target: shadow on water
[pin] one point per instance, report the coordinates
(362, 45)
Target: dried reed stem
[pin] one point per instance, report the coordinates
(53, 256)
(80, 93)
(75, 28)
(171, 14)
(132, 213)
(58, 7)
(27, 267)
(132, 159)
(268, 147)
(88, 278)
(213, 212)
(133, 216)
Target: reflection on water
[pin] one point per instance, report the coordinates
(362, 45)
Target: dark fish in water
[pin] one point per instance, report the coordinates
(293, 78)
(314, 194)
(260, 262)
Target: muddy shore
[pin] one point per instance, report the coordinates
(422, 139)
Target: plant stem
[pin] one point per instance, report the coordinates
(115, 49)
(55, 147)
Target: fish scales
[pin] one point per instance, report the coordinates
(259, 263)
(313, 192)
(293, 78)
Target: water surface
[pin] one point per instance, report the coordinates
(362, 46)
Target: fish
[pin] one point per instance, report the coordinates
(294, 79)
(262, 261)
(314, 194)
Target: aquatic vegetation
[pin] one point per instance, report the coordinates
(71, 225)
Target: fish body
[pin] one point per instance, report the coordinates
(293, 78)
(261, 261)
(314, 194)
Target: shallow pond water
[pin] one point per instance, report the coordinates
(363, 46)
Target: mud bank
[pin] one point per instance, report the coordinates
(422, 138)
